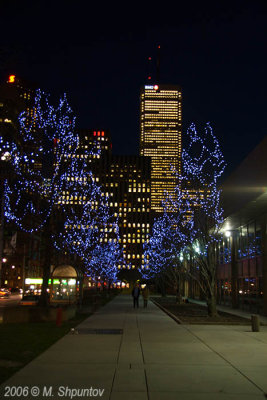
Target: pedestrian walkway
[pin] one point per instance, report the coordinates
(143, 354)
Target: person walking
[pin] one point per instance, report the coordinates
(136, 294)
(145, 294)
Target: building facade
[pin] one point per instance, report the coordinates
(161, 137)
(242, 264)
(125, 180)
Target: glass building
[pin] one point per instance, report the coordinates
(161, 137)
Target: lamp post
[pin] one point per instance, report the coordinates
(4, 173)
(231, 234)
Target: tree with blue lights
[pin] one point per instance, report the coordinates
(203, 165)
(189, 231)
(163, 251)
(52, 192)
(91, 232)
(106, 256)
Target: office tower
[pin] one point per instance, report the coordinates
(160, 137)
(94, 140)
(93, 145)
(16, 96)
(126, 180)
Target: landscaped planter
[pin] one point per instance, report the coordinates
(37, 314)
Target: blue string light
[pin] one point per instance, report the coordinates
(51, 179)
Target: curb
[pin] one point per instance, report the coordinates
(176, 319)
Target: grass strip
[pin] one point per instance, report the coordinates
(22, 342)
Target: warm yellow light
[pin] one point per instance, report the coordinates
(11, 78)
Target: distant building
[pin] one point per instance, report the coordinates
(126, 180)
(16, 96)
(95, 139)
(161, 137)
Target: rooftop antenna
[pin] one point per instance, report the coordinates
(158, 65)
(149, 68)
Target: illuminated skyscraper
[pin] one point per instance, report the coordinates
(161, 137)
(126, 181)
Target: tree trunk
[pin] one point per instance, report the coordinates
(179, 298)
(48, 248)
(212, 307)
(161, 286)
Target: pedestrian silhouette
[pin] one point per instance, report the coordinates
(136, 294)
(145, 294)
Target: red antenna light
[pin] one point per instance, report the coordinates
(149, 68)
(158, 65)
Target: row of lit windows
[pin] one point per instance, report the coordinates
(161, 143)
(160, 102)
(130, 209)
(161, 93)
(160, 110)
(160, 116)
(146, 210)
(160, 133)
(152, 128)
(79, 202)
(159, 96)
(130, 241)
(171, 124)
(168, 108)
(134, 256)
(139, 190)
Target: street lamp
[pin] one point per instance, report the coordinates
(4, 168)
(232, 235)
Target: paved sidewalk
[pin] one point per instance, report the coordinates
(154, 358)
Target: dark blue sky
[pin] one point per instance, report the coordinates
(216, 52)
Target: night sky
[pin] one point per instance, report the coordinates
(97, 54)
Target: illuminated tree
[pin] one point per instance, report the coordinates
(104, 259)
(203, 165)
(163, 252)
(52, 191)
(190, 227)
(91, 232)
